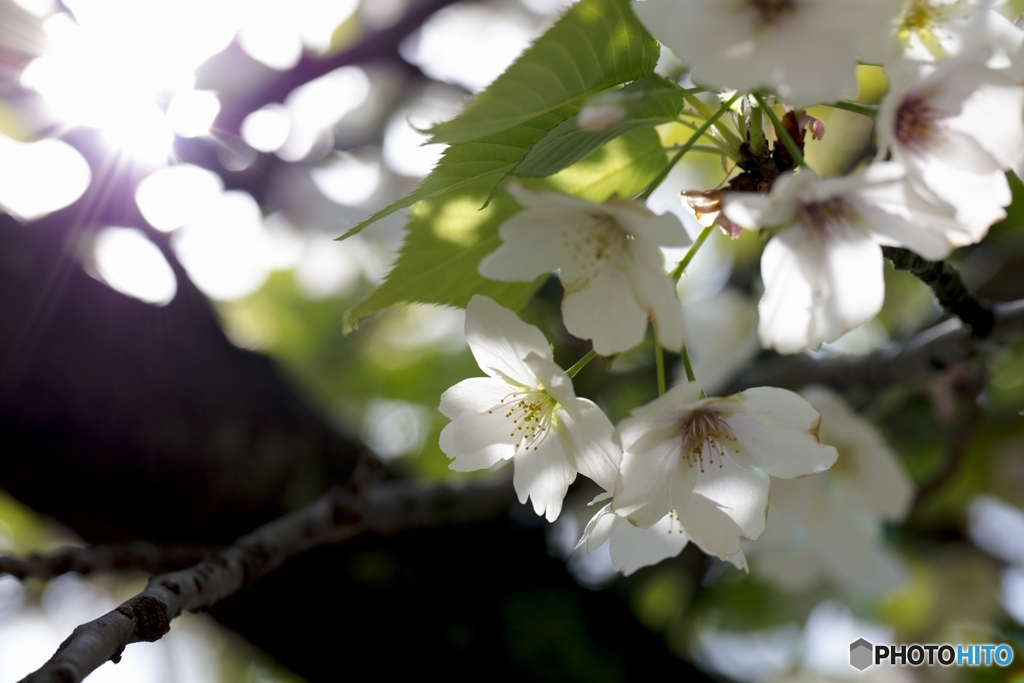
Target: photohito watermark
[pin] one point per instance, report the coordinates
(863, 654)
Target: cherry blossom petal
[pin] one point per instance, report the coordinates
(778, 434)
(817, 288)
(656, 294)
(477, 394)
(592, 439)
(639, 221)
(710, 527)
(991, 117)
(553, 380)
(652, 483)
(658, 420)
(547, 201)
(531, 245)
(478, 440)
(739, 492)
(600, 528)
(632, 548)
(869, 466)
(500, 341)
(898, 216)
(807, 54)
(751, 210)
(543, 473)
(978, 198)
(600, 305)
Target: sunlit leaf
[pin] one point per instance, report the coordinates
(468, 163)
(645, 103)
(448, 234)
(596, 45)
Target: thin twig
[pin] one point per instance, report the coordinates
(948, 287)
(372, 46)
(334, 517)
(139, 556)
(936, 348)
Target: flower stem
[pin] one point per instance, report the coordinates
(783, 134)
(756, 131)
(694, 248)
(864, 109)
(591, 354)
(690, 377)
(695, 102)
(649, 190)
(659, 360)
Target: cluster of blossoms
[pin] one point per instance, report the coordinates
(690, 468)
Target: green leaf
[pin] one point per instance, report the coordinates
(623, 167)
(648, 102)
(449, 233)
(467, 163)
(445, 240)
(596, 45)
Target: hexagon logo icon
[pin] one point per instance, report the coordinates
(861, 652)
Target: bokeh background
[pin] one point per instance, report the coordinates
(174, 367)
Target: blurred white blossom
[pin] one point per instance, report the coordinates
(805, 51)
(957, 126)
(829, 528)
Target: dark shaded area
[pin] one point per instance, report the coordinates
(472, 602)
(129, 421)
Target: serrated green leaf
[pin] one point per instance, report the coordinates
(647, 102)
(466, 163)
(449, 233)
(623, 167)
(596, 45)
(445, 240)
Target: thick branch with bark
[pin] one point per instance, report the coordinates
(332, 518)
(138, 556)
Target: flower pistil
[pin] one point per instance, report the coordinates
(704, 431)
(531, 413)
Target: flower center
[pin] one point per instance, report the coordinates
(592, 246)
(917, 123)
(920, 16)
(531, 413)
(772, 10)
(825, 217)
(704, 433)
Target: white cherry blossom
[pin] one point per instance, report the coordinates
(804, 50)
(933, 30)
(823, 275)
(708, 461)
(608, 260)
(632, 548)
(957, 126)
(526, 411)
(829, 528)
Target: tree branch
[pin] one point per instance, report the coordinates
(948, 287)
(938, 347)
(334, 517)
(374, 45)
(147, 557)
